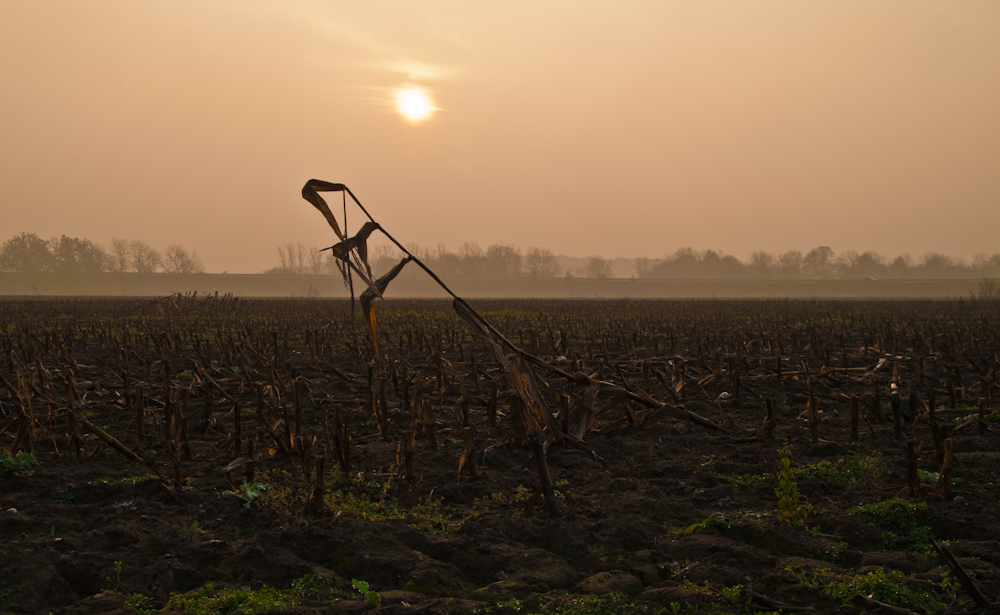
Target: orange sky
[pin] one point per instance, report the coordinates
(625, 129)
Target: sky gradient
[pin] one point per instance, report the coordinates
(585, 127)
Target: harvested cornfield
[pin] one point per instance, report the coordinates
(214, 454)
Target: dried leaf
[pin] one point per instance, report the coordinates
(475, 321)
(359, 244)
(519, 372)
(461, 464)
(310, 192)
(582, 410)
(369, 295)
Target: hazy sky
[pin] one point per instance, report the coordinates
(619, 128)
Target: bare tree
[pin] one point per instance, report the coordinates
(473, 259)
(901, 267)
(315, 260)
(790, 264)
(761, 264)
(179, 260)
(503, 261)
(118, 256)
(293, 258)
(541, 263)
(445, 262)
(643, 267)
(988, 266)
(143, 257)
(818, 263)
(381, 256)
(598, 267)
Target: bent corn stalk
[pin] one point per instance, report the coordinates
(351, 254)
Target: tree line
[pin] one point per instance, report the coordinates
(820, 263)
(501, 260)
(29, 253)
(470, 261)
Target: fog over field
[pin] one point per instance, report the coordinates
(592, 129)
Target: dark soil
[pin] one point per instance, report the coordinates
(651, 513)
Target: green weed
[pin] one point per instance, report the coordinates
(433, 516)
(209, 601)
(123, 507)
(362, 506)
(899, 519)
(7, 592)
(371, 597)
(309, 586)
(857, 471)
(746, 480)
(889, 587)
(612, 604)
(19, 463)
(790, 509)
(249, 492)
(719, 523)
(141, 603)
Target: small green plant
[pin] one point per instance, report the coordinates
(889, 586)
(135, 480)
(905, 411)
(123, 507)
(856, 471)
(746, 480)
(207, 600)
(899, 519)
(678, 608)
(140, 602)
(19, 463)
(885, 586)
(308, 586)
(64, 496)
(735, 597)
(513, 604)
(362, 506)
(433, 516)
(7, 592)
(249, 492)
(718, 523)
(114, 580)
(790, 509)
(611, 604)
(371, 597)
(193, 530)
(928, 478)
(815, 578)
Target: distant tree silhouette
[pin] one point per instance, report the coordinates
(540, 263)
(598, 267)
(26, 252)
(179, 260)
(118, 255)
(73, 255)
(143, 258)
(503, 261)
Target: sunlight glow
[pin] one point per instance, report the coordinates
(414, 104)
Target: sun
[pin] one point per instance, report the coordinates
(414, 104)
